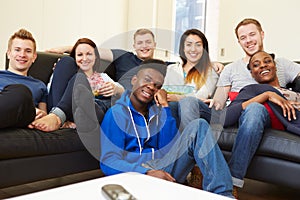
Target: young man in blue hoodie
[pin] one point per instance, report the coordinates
(139, 134)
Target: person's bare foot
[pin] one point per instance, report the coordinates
(48, 123)
(69, 124)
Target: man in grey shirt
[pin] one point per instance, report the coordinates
(236, 75)
(255, 117)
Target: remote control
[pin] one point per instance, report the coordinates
(116, 192)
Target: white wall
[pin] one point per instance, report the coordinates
(112, 23)
(279, 20)
(212, 27)
(61, 22)
(156, 15)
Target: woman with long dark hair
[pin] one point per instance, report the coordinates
(195, 77)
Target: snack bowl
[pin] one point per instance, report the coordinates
(178, 89)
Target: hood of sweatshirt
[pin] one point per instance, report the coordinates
(133, 123)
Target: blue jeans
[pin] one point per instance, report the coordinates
(188, 109)
(196, 145)
(252, 123)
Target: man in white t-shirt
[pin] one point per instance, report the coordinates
(234, 77)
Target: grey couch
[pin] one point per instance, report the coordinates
(277, 159)
(30, 155)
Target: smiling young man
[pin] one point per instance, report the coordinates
(235, 75)
(253, 118)
(139, 134)
(257, 107)
(22, 98)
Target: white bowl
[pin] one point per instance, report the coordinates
(178, 89)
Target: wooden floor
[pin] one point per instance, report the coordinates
(253, 190)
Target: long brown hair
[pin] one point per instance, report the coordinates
(88, 41)
(199, 72)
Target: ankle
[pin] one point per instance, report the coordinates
(56, 118)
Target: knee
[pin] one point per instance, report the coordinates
(188, 99)
(188, 102)
(256, 109)
(193, 102)
(66, 60)
(20, 96)
(66, 63)
(22, 91)
(255, 115)
(199, 123)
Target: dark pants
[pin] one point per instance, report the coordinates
(16, 106)
(66, 77)
(61, 86)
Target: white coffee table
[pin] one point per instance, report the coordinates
(143, 187)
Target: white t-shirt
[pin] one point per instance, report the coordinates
(238, 76)
(175, 76)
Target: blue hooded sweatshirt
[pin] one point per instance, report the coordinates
(127, 140)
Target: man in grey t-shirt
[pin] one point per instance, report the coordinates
(236, 75)
(233, 78)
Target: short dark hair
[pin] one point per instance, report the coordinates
(155, 64)
(271, 54)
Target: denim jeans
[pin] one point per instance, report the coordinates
(252, 123)
(188, 109)
(196, 145)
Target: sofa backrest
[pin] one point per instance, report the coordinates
(42, 68)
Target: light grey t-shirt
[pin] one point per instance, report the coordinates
(238, 76)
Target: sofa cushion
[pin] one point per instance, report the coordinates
(17, 143)
(275, 143)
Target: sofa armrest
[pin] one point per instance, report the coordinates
(295, 86)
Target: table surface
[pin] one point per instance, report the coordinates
(143, 187)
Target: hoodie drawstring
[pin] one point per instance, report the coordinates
(136, 132)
